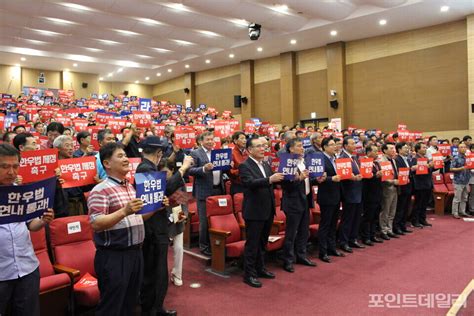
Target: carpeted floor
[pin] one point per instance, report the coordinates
(419, 270)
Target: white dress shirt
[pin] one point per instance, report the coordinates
(216, 175)
(260, 166)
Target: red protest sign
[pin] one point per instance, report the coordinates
(86, 281)
(438, 160)
(80, 124)
(94, 130)
(403, 135)
(2, 121)
(402, 127)
(444, 149)
(38, 165)
(141, 118)
(421, 166)
(403, 175)
(160, 129)
(116, 125)
(387, 170)
(469, 161)
(327, 133)
(103, 118)
(249, 127)
(185, 137)
(134, 162)
(222, 129)
(366, 165)
(275, 164)
(344, 168)
(235, 125)
(77, 172)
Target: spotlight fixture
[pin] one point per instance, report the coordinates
(254, 31)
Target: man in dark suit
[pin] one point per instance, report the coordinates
(206, 183)
(404, 191)
(295, 203)
(258, 210)
(351, 200)
(329, 199)
(423, 185)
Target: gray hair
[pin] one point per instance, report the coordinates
(315, 135)
(60, 140)
(289, 135)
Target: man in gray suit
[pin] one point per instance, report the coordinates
(206, 183)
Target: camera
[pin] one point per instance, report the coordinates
(254, 31)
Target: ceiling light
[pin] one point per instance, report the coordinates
(101, 78)
(17, 65)
(48, 33)
(239, 22)
(34, 41)
(120, 70)
(177, 6)
(444, 8)
(158, 74)
(74, 65)
(183, 42)
(125, 32)
(128, 63)
(149, 21)
(161, 50)
(95, 50)
(22, 58)
(280, 8)
(186, 66)
(110, 74)
(170, 70)
(76, 6)
(59, 21)
(231, 55)
(293, 42)
(147, 78)
(383, 22)
(27, 51)
(108, 42)
(333, 33)
(143, 56)
(259, 49)
(81, 58)
(209, 33)
(208, 61)
(136, 81)
(66, 70)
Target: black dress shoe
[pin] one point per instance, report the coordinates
(265, 274)
(368, 242)
(356, 244)
(392, 235)
(407, 231)
(426, 224)
(306, 262)
(325, 258)
(377, 240)
(288, 267)
(206, 252)
(417, 225)
(169, 312)
(336, 253)
(384, 236)
(346, 248)
(398, 232)
(252, 281)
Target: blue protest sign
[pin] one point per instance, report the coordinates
(221, 158)
(125, 99)
(133, 98)
(189, 110)
(454, 151)
(94, 96)
(288, 165)
(202, 106)
(6, 96)
(150, 188)
(315, 164)
(19, 203)
(257, 122)
(306, 143)
(105, 96)
(133, 108)
(145, 104)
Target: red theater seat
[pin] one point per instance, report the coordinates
(448, 180)
(238, 199)
(314, 217)
(55, 289)
(440, 192)
(224, 231)
(73, 248)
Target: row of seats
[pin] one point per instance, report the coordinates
(443, 191)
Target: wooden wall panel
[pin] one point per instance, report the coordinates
(426, 89)
(169, 86)
(267, 101)
(312, 94)
(117, 88)
(176, 96)
(311, 60)
(10, 80)
(217, 73)
(74, 80)
(219, 94)
(29, 78)
(267, 69)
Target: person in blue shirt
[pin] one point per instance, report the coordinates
(461, 182)
(104, 136)
(19, 267)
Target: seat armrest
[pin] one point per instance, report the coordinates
(73, 273)
(220, 233)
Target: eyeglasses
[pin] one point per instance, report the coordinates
(259, 146)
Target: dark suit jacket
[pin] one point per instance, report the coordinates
(400, 163)
(203, 181)
(259, 199)
(372, 188)
(351, 190)
(329, 192)
(422, 181)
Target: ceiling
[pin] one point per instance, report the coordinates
(130, 40)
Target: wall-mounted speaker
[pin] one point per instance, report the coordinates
(186, 90)
(244, 100)
(334, 104)
(237, 101)
(125, 93)
(84, 85)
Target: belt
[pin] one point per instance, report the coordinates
(133, 247)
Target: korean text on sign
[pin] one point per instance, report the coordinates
(150, 187)
(288, 165)
(221, 158)
(38, 164)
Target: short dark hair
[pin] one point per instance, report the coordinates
(431, 137)
(20, 139)
(455, 139)
(418, 146)
(325, 142)
(6, 135)
(205, 134)
(395, 135)
(291, 143)
(7, 150)
(236, 135)
(17, 127)
(345, 140)
(385, 146)
(467, 137)
(249, 142)
(108, 150)
(37, 123)
(55, 127)
(399, 146)
(369, 148)
(101, 134)
(81, 135)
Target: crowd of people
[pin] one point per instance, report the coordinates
(131, 261)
